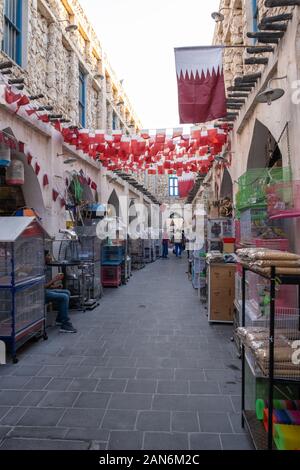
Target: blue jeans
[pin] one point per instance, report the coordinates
(61, 298)
(178, 249)
(165, 251)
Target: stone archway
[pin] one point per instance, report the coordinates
(114, 202)
(226, 189)
(264, 150)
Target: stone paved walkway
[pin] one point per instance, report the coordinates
(145, 371)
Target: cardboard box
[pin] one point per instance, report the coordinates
(221, 292)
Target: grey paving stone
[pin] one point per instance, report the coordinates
(13, 416)
(141, 386)
(59, 399)
(37, 383)
(192, 403)
(121, 361)
(58, 384)
(89, 434)
(125, 440)
(41, 417)
(219, 375)
(6, 370)
(94, 361)
(33, 398)
(43, 444)
(119, 420)
(124, 373)
(52, 371)
(236, 442)
(4, 430)
(177, 387)
(204, 388)
(237, 403)
(35, 359)
(155, 374)
(148, 361)
(11, 397)
(92, 400)
(82, 418)
(166, 441)
(102, 373)
(4, 410)
(27, 371)
(12, 382)
(203, 441)
(83, 385)
(236, 423)
(231, 388)
(188, 363)
(38, 432)
(111, 385)
(154, 421)
(79, 371)
(214, 422)
(189, 374)
(130, 401)
(185, 422)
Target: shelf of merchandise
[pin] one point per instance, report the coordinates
(261, 438)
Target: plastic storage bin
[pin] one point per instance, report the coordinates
(111, 276)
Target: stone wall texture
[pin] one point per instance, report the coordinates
(233, 32)
(52, 58)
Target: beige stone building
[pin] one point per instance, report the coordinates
(60, 64)
(263, 135)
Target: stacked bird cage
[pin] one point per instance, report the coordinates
(137, 253)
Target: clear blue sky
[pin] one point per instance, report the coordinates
(139, 37)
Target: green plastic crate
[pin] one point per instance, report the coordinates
(254, 183)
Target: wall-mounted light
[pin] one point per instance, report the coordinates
(217, 16)
(271, 94)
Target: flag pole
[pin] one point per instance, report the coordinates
(240, 46)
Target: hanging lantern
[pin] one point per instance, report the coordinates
(5, 155)
(15, 174)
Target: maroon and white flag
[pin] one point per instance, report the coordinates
(201, 87)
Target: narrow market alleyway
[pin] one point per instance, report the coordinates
(145, 371)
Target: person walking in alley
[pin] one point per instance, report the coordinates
(165, 245)
(178, 243)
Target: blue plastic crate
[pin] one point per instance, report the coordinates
(112, 253)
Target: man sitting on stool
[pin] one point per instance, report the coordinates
(61, 299)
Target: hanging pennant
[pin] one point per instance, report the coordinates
(45, 180)
(37, 169)
(55, 195)
(10, 96)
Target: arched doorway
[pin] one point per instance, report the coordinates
(264, 151)
(114, 202)
(226, 189)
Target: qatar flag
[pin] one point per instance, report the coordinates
(201, 87)
(185, 184)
